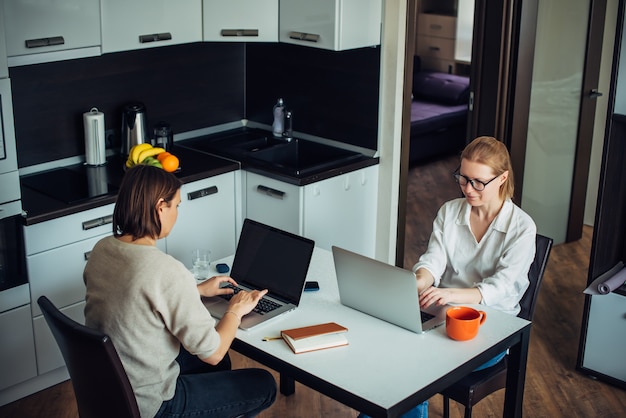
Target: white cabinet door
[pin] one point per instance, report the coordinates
(17, 350)
(341, 211)
(49, 356)
(139, 24)
(331, 24)
(58, 273)
(240, 20)
(273, 202)
(206, 219)
(4, 69)
(35, 28)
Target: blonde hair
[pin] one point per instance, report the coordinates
(489, 151)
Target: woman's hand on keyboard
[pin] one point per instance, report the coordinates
(244, 302)
(215, 286)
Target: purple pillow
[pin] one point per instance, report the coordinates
(441, 88)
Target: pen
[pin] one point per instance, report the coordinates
(272, 338)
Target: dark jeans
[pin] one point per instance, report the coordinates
(203, 390)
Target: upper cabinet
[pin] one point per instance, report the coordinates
(139, 24)
(331, 24)
(240, 20)
(4, 69)
(43, 30)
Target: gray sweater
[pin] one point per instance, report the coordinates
(149, 305)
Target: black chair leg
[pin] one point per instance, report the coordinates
(468, 411)
(446, 407)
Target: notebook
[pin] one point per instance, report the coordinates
(384, 291)
(267, 258)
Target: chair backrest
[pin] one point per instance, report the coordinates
(535, 275)
(100, 382)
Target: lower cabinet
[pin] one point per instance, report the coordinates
(273, 202)
(17, 351)
(337, 211)
(49, 356)
(206, 219)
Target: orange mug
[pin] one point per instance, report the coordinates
(462, 322)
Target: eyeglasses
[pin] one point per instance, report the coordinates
(478, 185)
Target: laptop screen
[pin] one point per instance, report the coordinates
(269, 258)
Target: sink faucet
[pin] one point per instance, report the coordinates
(288, 133)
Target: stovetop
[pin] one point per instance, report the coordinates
(73, 185)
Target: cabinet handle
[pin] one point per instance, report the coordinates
(94, 223)
(434, 48)
(270, 192)
(239, 32)
(41, 42)
(202, 193)
(301, 36)
(435, 26)
(155, 37)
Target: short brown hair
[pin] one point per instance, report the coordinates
(135, 210)
(493, 153)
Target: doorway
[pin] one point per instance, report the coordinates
(502, 62)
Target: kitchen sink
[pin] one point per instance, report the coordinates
(300, 157)
(259, 148)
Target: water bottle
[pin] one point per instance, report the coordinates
(278, 127)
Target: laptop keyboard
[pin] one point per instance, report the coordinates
(426, 316)
(264, 306)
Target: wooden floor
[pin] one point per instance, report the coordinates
(553, 386)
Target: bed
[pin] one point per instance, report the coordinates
(438, 114)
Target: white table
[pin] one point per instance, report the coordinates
(385, 370)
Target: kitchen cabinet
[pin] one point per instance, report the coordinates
(139, 24)
(240, 20)
(206, 219)
(17, 351)
(56, 254)
(341, 211)
(331, 24)
(273, 202)
(49, 355)
(42, 31)
(4, 68)
(338, 211)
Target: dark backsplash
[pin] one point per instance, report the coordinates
(193, 86)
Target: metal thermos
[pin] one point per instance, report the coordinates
(134, 126)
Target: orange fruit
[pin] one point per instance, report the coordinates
(162, 155)
(170, 163)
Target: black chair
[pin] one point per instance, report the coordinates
(100, 382)
(474, 387)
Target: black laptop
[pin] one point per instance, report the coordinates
(267, 258)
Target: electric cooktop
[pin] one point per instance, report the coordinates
(71, 185)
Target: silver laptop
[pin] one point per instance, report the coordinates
(384, 291)
(267, 258)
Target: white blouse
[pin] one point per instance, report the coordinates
(497, 265)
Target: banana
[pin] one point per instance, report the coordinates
(152, 161)
(136, 150)
(149, 152)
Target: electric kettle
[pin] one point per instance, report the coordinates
(134, 126)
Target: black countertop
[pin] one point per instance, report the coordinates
(43, 198)
(39, 205)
